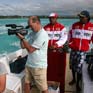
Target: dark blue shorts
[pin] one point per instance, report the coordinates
(77, 58)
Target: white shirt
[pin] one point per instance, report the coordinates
(39, 40)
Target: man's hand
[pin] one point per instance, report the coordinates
(20, 36)
(53, 47)
(56, 48)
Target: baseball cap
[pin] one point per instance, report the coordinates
(53, 15)
(84, 14)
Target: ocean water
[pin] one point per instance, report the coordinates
(10, 43)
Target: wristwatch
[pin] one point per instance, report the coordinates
(22, 39)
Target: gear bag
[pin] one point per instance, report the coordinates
(90, 68)
(18, 65)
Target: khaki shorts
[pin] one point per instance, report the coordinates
(37, 76)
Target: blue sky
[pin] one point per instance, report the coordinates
(44, 7)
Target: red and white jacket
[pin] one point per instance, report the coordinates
(57, 34)
(80, 36)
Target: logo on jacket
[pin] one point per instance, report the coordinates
(77, 33)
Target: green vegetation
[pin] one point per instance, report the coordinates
(17, 16)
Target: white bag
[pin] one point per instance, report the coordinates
(51, 90)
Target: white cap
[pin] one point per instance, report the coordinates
(53, 15)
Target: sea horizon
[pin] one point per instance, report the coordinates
(41, 16)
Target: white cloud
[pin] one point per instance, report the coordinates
(44, 7)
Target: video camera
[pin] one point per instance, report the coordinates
(16, 29)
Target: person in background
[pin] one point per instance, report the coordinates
(80, 36)
(56, 58)
(36, 66)
(3, 73)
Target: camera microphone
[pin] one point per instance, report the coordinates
(11, 25)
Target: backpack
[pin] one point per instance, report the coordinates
(90, 68)
(18, 65)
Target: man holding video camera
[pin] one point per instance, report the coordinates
(36, 66)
